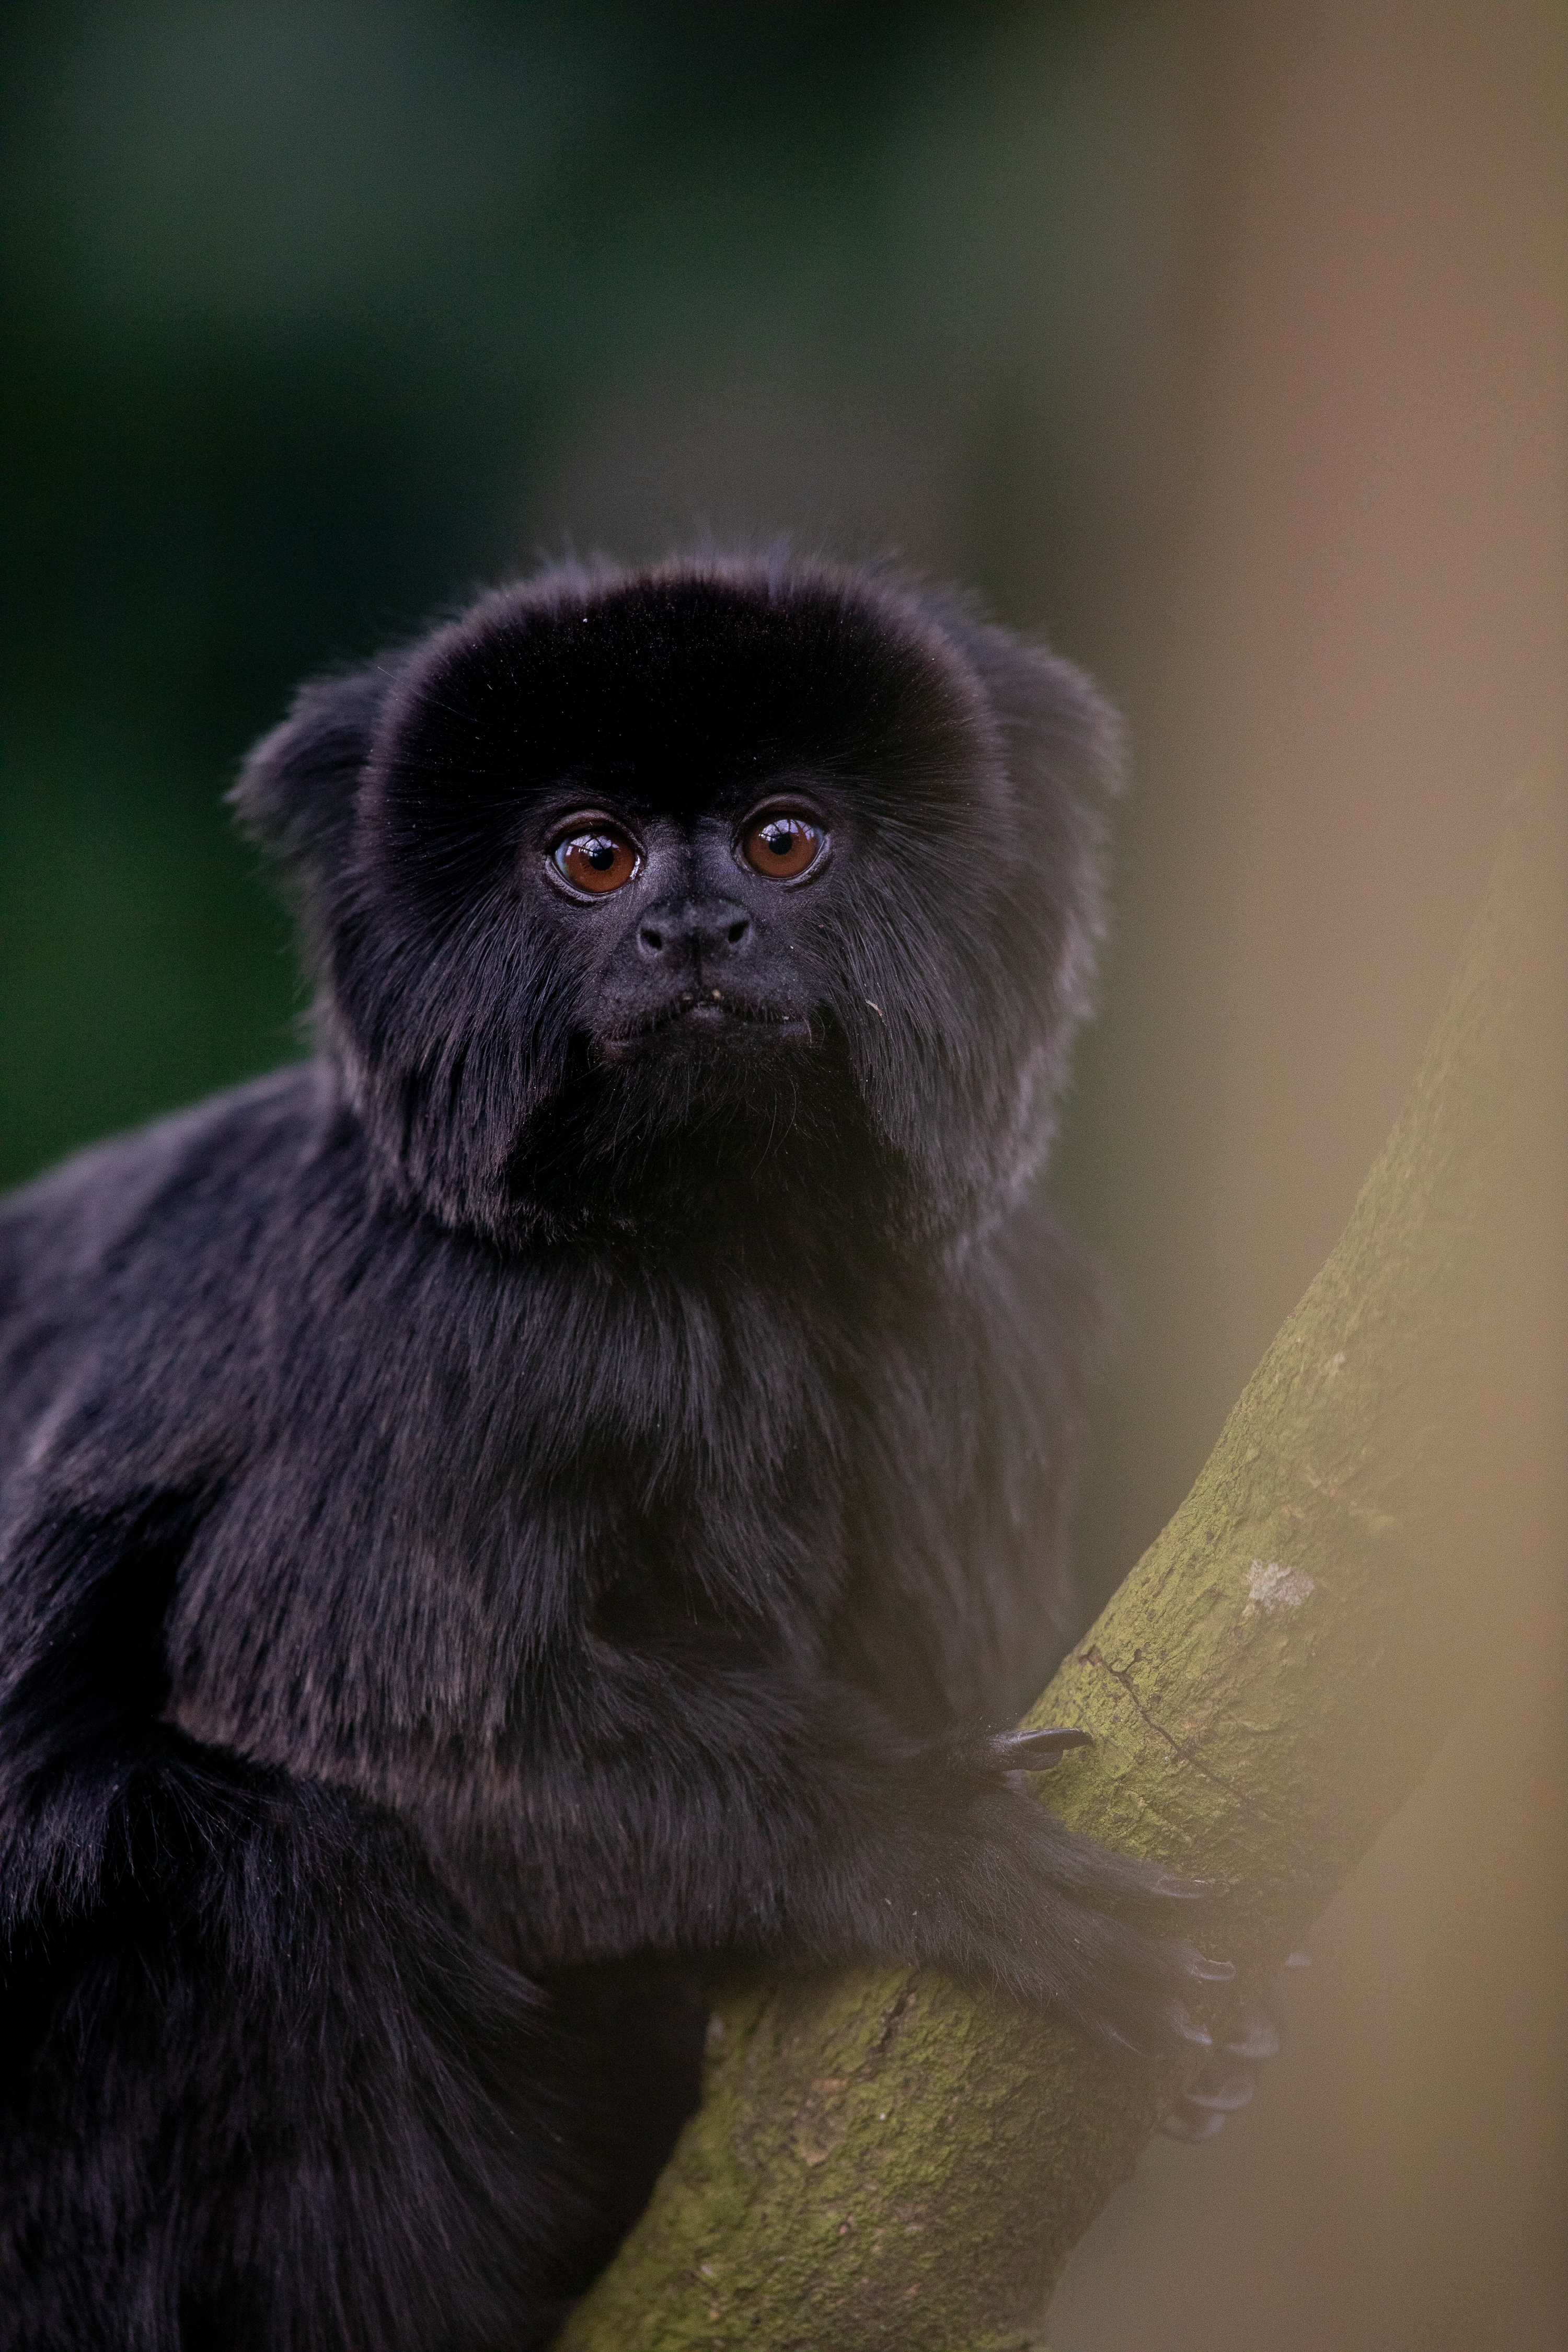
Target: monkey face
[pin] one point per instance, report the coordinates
(613, 854)
(672, 796)
(695, 934)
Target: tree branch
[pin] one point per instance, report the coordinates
(888, 2160)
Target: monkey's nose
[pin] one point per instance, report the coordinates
(676, 932)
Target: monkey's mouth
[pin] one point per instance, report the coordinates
(707, 1012)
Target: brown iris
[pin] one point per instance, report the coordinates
(783, 846)
(596, 860)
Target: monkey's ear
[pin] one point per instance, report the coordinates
(296, 790)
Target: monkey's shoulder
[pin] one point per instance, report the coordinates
(204, 1168)
(133, 1263)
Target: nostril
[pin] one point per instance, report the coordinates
(694, 928)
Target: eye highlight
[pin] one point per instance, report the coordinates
(595, 861)
(783, 846)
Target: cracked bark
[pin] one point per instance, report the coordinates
(887, 2160)
(1094, 1656)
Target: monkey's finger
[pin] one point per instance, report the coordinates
(1033, 1751)
(1164, 2030)
(1224, 2096)
(1187, 2122)
(1189, 2028)
(1220, 2088)
(1210, 1971)
(1218, 2091)
(1256, 2037)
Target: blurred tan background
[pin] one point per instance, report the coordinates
(1359, 646)
(1225, 343)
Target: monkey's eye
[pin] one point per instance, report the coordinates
(783, 846)
(595, 861)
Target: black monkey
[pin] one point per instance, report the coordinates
(563, 1491)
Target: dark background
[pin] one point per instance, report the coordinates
(1222, 343)
(321, 314)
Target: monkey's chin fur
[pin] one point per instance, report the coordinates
(708, 1022)
(698, 1125)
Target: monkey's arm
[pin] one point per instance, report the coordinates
(679, 1805)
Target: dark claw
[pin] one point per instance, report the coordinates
(1218, 2091)
(1210, 1971)
(1035, 1751)
(1258, 2038)
(1232, 2092)
(1191, 2123)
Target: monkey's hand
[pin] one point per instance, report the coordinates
(990, 1886)
(1227, 2080)
(771, 1819)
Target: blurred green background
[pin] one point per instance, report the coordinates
(321, 314)
(1222, 342)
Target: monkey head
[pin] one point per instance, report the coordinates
(723, 874)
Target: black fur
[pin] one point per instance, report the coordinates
(540, 1503)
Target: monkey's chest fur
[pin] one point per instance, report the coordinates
(499, 1514)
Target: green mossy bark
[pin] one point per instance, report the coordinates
(888, 2160)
